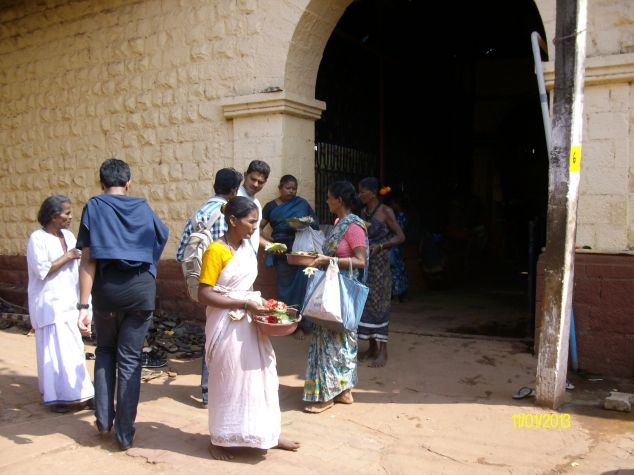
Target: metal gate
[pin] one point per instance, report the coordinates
(337, 163)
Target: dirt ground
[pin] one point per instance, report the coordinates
(442, 405)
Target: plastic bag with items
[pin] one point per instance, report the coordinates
(308, 239)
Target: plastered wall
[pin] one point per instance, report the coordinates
(82, 81)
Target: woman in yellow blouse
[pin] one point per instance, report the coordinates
(244, 409)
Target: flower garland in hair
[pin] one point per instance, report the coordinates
(384, 191)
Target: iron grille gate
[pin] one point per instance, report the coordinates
(337, 163)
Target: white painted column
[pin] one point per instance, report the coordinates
(278, 128)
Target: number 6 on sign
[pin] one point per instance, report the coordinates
(575, 158)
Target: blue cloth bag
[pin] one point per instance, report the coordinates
(352, 297)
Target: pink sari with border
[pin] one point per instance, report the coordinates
(244, 408)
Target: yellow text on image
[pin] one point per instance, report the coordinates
(541, 421)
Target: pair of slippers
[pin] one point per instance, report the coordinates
(528, 392)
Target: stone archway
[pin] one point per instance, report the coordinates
(278, 125)
(315, 26)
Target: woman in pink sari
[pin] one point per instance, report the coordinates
(244, 409)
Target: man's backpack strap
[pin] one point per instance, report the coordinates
(197, 225)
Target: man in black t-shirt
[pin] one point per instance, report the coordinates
(122, 240)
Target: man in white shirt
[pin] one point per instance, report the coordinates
(254, 180)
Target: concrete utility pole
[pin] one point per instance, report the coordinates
(565, 157)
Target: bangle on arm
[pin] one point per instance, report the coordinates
(246, 304)
(380, 247)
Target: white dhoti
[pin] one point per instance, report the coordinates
(61, 364)
(53, 297)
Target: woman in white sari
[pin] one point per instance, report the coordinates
(244, 409)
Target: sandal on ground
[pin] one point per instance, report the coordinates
(60, 408)
(524, 393)
(157, 354)
(90, 356)
(181, 343)
(166, 345)
(170, 321)
(180, 332)
(194, 329)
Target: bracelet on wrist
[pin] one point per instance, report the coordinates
(246, 304)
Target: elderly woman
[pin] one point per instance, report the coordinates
(53, 296)
(331, 372)
(291, 281)
(244, 408)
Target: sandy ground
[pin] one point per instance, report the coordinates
(442, 405)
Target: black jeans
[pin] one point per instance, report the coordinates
(120, 338)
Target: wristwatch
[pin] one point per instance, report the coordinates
(83, 305)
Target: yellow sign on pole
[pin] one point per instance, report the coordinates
(575, 158)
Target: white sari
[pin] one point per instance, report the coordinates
(244, 408)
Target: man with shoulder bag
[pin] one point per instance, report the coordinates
(202, 228)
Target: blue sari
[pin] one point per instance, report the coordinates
(295, 208)
(291, 281)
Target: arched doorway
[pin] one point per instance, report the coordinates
(441, 102)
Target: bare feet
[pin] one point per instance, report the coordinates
(345, 397)
(299, 334)
(219, 453)
(318, 407)
(381, 359)
(372, 350)
(285, 444)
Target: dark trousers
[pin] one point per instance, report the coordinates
(120, 338)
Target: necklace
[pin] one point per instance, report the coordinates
(231, 248)
(368, 216)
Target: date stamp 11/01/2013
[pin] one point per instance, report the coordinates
(541, 421)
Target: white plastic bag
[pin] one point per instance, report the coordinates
(324, 302)
(318, 240)
(307, 240)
